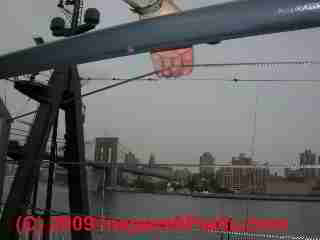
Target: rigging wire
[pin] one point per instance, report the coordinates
(93, 92)
(197, 79)
(152, 79)
(117, 84)
(23, 106)
(223, 65)
(23, 115)
(253, 64)
(124, 81)
(235, 64)
(256, 64)
(129, 80)
(201, 79)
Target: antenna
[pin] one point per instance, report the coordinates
(91, 20)
(253, 140)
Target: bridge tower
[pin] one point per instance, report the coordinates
(106, 150)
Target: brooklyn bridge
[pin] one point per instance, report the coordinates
(106, 161)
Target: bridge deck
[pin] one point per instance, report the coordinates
(16, 152)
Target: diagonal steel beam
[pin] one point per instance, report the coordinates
(204, 25)
(74, 153)
(23, 183)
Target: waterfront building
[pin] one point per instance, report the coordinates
(206, 159)
(130, 159)
(292, 185)
(182, 176)
(243, 179)
(307, 160)
(152, 160)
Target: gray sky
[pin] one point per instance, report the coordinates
(179, 120)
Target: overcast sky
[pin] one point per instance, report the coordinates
(178, 120)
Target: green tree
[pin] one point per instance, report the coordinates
(144, 184)
(138, 182)
(149, 187)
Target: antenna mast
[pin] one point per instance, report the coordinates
(253, 139)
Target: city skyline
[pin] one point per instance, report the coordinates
(208, 159)
(178, 120)
(296, 162)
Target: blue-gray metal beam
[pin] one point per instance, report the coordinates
(204, 25)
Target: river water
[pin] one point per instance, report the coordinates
(303, 217)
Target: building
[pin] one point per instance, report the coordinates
(206, 159)
(289, 173)
(130, 159)
(106, 149)
(307, 159)
(294, 185)
(243, 179)
(224, 177)
(152, 160)
(164, 170)
(182, 176)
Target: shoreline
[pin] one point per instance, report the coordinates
(254, 197)
(289, 198)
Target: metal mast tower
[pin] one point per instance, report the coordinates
(62, 92)
(254, 133)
